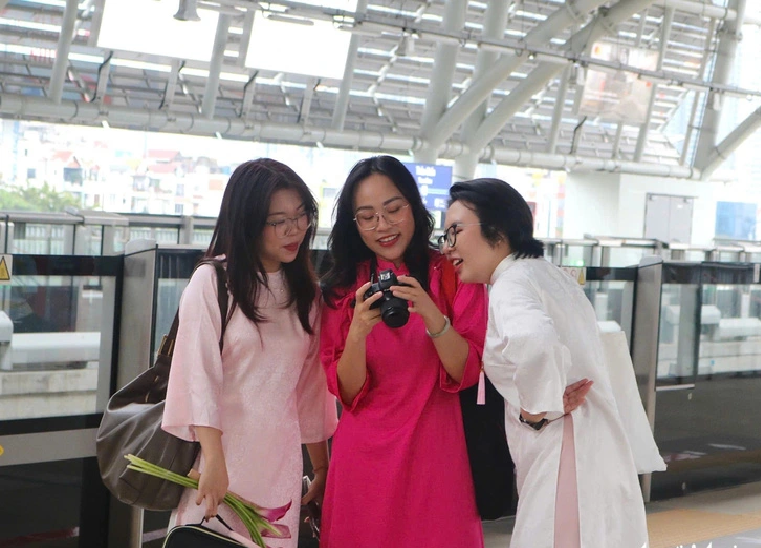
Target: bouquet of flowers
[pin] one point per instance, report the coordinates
(259, 520)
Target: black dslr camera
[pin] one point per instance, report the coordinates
(394, 311)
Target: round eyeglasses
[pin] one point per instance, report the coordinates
(449, 238)
(283, 227)
(393, 213)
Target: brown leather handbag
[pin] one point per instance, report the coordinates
(131, 424)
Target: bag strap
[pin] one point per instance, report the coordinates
(166, 348)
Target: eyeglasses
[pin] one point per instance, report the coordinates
(392, 212)
(449, 238)
(283, 227)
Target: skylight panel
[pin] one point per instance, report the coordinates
(147, 26)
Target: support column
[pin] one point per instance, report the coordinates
(215, 66)
(58, 74)
(495, 21)
(668, 20)
(730, 35)
(440, 86)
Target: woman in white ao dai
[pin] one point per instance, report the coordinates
(577, 481)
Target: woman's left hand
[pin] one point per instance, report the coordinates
(422, 303)
(316, 489)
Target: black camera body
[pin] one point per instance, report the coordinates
(394, 311)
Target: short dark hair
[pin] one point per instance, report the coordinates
(238, 235)
(346, 247)
(503, 213)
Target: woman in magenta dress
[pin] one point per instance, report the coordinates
(253, 404)
(399, 472)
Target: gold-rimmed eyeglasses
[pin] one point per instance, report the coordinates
(284, 226)
(393, 212)
(449, 238)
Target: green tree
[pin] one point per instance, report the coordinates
(36, 199)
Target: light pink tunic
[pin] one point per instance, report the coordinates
(399, 473)
(266, 393)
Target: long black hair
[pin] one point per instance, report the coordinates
(346, 247)
(239, 231)
(503, 214)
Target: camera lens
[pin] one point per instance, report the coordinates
(394, 312)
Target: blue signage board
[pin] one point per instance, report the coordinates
(736, 220)
(434, 183)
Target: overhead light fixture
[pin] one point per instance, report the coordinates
(188, 11)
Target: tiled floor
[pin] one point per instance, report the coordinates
(729, 518)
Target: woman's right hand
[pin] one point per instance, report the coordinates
(364, 318)
(576, 394)
(212, 486)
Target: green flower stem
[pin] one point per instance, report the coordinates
(251, 519)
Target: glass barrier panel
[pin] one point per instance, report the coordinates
(677, 334)
(730, 335)
(52, 362)
(39, 239)
(577, 256)
(625, 256)
(613, 303)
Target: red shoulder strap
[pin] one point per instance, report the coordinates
(448, 284)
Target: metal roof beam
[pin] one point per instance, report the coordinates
(495, 21)
(215, 66)
(245, 38)
(707, 9)
(61, 63)
(481, 89)
(698, 98)
(440, 87)
(729, 37)
(77, 112)
(342, 101)
(730, 143)
(537, 79)
(306, 101)
(668, 20)
(103, 72)
(557, 114)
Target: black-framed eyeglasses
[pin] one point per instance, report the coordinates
(449, 238)
(283, 227)
(393, 212)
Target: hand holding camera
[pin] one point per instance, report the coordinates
(393, 310)
(409, 289)
(365, 317)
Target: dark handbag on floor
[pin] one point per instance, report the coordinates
(198, 536)
(490, 463)
(131, 424)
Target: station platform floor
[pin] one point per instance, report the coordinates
(724, 518)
